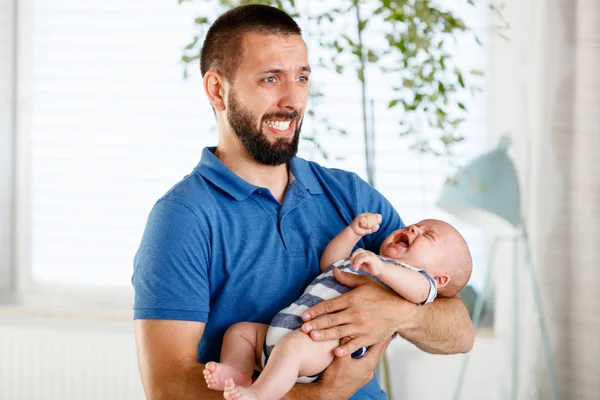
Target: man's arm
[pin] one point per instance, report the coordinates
(370, 313)
(441, 327)
(167, 353)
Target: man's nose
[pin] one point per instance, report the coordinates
(293, 97)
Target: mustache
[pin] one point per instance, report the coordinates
(282, 115)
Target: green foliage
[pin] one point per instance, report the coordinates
(419, 34)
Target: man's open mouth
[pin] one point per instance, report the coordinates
(284, 127)
(279, 125)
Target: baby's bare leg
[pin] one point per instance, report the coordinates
(295, 355)
(242, 345)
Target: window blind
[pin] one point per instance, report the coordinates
(114, 125)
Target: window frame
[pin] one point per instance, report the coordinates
(7, 160)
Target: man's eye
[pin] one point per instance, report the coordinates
(270, 79)
(303, 79)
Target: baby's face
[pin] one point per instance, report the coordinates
(420, 245)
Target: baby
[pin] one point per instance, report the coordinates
(419, 262)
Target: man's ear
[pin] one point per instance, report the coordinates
(442, 280)
(214, 87)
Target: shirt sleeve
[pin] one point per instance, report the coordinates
(170, 277)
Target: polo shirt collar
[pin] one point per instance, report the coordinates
(304, 174)
(213, 169)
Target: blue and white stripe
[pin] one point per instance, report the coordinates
(323, 287)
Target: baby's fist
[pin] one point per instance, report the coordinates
(366, 223)
(367, 261)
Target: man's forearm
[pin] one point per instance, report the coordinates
(185, 383)
(441, 327)
(308, 391)
(190, 385)
(318, 391)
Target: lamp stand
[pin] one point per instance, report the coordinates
(385, 366)
(515, 342)
(477, 310)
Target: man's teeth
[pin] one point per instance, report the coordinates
(279, 125)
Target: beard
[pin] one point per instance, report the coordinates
(243, 123)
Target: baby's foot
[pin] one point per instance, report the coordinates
(215, 375)
(233, 392)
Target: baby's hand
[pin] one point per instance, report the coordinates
(367, 261)
(366, 224)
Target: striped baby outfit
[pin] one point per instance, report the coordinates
(323, 287)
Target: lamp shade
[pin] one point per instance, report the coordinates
(486, 192)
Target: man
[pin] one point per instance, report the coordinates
(240, 237)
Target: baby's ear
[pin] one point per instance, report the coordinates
(442, 280)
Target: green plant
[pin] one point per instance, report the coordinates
(426, 81)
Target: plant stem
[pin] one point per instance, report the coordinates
(363, 86)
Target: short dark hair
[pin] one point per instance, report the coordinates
(221, 50)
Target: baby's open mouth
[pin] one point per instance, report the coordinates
(403, 239)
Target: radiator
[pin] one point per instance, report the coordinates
(66, 360)
(54, 359)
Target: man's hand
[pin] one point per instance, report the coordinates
(368, 314)
(365, 224)
(367, 261)
(345, 376)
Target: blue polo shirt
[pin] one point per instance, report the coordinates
(219, 250)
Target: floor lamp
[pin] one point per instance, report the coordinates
(486, 194)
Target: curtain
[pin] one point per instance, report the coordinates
(570, 171)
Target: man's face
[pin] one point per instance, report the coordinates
(267, 100)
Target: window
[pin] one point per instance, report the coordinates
(112, 124)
